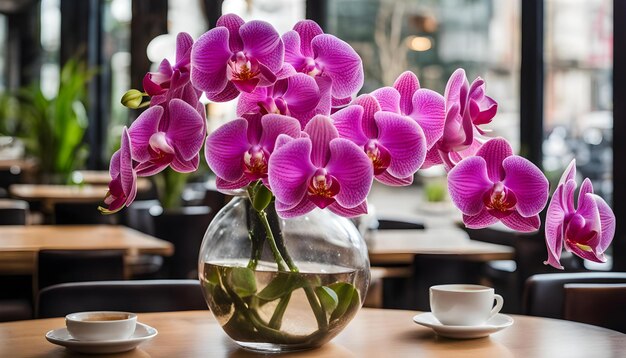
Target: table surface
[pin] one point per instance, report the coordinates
(400, 246)
(22, 164)
(19, 244)
(197, 334)
(66, 193)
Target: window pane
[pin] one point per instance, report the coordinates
(578, 90)
(432, 39)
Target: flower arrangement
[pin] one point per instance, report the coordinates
(303, 141)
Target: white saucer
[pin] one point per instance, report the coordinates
(62, 337)
(495, 324)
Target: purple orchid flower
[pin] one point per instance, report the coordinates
(331, 61)
(467, 107)
(238, 152)
(424, 106)
(123, 185)
(236, 57)
(497, 185)
(319, 170)
(395, 144)
(157, 84)
(586, 230)
(297, 96)
(177, 144)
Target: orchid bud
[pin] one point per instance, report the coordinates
(133, 98)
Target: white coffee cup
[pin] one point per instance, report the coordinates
(101, 325)
(464, 305)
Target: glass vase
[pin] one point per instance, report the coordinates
(293, 288)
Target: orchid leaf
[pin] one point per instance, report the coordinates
(241, 280)
(328, 298)
(285, 283)
(347, 299)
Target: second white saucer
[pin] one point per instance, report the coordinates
(62, 337)
(495, 324)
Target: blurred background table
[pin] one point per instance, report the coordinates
(197, 334)
(19, 245)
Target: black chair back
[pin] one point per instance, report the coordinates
(137, 216)
(131, 296)
(82, 214)
(13, 212)
(544, 294)
(185, 229)
(61, 266)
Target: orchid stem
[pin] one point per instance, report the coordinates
(270, 239)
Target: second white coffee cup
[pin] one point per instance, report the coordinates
(464, 305)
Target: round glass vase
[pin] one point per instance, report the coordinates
(301, 302)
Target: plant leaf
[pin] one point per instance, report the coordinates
(328, 298)
(348, 299)
(241, 281)
(283, 284)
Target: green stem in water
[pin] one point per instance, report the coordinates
(270, 239)
(277, 318)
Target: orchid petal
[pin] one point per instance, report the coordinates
(391, 180)
(494, 152)
(185, 166)
(607, 220)
(358, 210)
(209, 58)
(127, 174)
(186, 131)
(114, 164)
(249, 101)
(520, 223)
(588, 209)
(184, 42)
(307, 29)
(224, 185)
(370, 106)
(528, 183)
(405, 141)
(321, 132)
(232, 22)
(275, 125)
(568, 195)
(554, 228)
(293, 55)
(456, 89)
(229, 93)
(407, 84)
(479, 221)
(467, 183)
(388, 98)
(432, 158)
(585, 188)
(569, 173)
(142, 129)
(225, 147)
(340, 62)
(348, 124)
(303, 207)
(151, 168)
(353, 169)
(302, 96)
(290, 168)
(429, 112)
(262, 42)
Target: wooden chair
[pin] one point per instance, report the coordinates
(596, 304)
(13, 212)
(132, 296)
(544, 295)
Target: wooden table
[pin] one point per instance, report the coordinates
(401, 246)
(18, 165)
(19, 244)
(415, 255)
(102, 177)
(373, 333)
